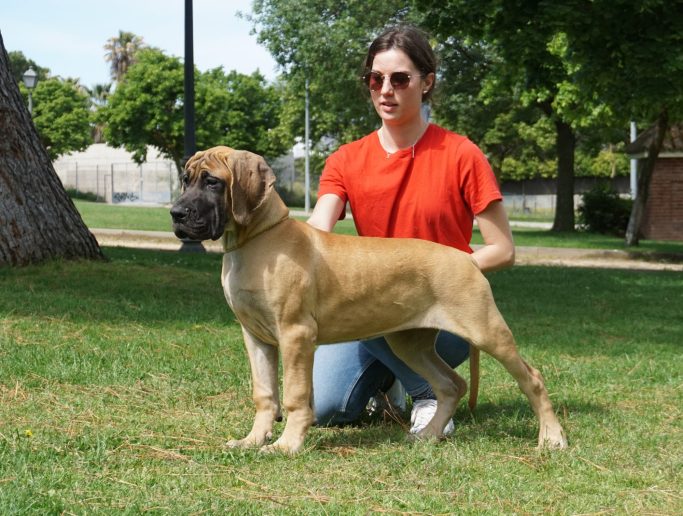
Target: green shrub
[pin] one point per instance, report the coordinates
(603, 211)
(291, 197)
(84, 196)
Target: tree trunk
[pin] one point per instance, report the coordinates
(564, 207)
(38, 221)
(645, 170)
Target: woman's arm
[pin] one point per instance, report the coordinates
(326, 212)
(498, 251)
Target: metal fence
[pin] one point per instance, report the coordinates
(153, 182)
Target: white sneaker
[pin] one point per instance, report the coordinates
(422, 413)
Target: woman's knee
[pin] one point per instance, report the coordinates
(332, 411)
(344, 378)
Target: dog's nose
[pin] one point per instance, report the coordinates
(179, 213)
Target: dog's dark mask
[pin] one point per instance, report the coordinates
(199, 213)
(219, 184)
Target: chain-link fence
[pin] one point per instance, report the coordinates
(153, 182)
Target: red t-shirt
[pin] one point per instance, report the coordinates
(433, 194)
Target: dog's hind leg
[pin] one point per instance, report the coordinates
(500, 344)
(263, 359)
(416, 349)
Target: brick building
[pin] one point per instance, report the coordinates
(664, 210)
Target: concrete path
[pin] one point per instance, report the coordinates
(555, 256)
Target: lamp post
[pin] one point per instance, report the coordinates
(307, 169)
(30, 79)
(190, 146)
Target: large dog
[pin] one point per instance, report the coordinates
(292, 286)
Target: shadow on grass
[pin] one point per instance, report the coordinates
(508, 419)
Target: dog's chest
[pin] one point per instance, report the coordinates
(248, 299)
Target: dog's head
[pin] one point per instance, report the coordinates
(219, 185)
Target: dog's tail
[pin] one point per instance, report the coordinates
(474, 377)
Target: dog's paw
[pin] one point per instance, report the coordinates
(236, 443)
(283, 446)
(552, 439)
(250, 441)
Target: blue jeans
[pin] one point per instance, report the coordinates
(347, 375)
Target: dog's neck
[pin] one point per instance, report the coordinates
(272, 212)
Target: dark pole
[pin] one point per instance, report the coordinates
(190, 145)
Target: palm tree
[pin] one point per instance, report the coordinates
(99, 94)
(121, 52)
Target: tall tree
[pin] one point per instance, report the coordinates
(121, 52)
(633, 65)
(38, 221)
(19, 63)
(61, 110)
(99, 96)
(61, 114)
(476, 94)
(323, 42)
(147, 109)
(517, 139)
(521, 40)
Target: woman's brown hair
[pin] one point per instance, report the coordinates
(413, 42)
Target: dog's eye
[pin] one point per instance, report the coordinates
(212, 181)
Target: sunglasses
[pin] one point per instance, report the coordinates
(398, 80)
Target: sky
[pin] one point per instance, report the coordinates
(68, 36)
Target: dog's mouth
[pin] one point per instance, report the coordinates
(184, 234)
(197, 231)
(184, 231)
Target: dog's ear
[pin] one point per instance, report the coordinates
(251, 184)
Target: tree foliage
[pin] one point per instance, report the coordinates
(513, 47)
(19, 63)
(233, 109)
(324, 42)
(61, 114)
(589, 65)
(635, 67)
(478, 93)
(61, 108)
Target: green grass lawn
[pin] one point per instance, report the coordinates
(99, 215)
(110, 216)
(121, 380)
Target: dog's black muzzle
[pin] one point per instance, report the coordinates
(193, 222)
(199, 213)
(182, 227)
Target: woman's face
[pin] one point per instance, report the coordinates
(399, 106)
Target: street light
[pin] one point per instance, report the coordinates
(30, 80)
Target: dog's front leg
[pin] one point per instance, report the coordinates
(297, 345)
(263, 359)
